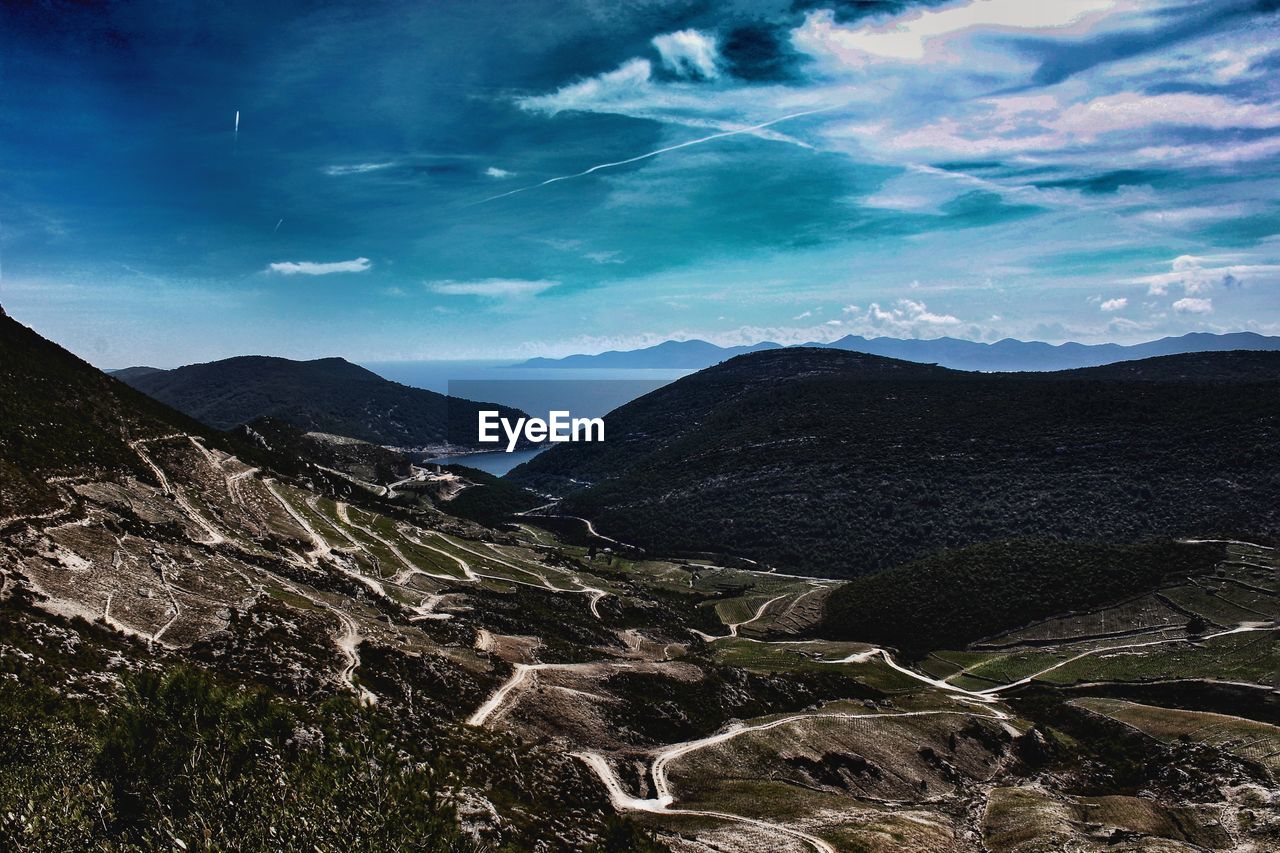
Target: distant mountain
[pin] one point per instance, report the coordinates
(328, 395)
(836, 463)
(130, 373)
(674, 355)
(1006, 355)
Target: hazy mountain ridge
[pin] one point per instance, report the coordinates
(329, 395)
(838, 464)
(1008, 355)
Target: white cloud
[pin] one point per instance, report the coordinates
(495, 172)
(1116, 304)
(913, 37)
(919, 86)
(1049, 123)
(355, 168)
(689, 53)
(1198, 274)
(631, 90)
(906, 318)
(1191, 215)
(1190, 305)
(626, 83)
(313, 268)
(1224, 152)
(1131, 110)
(604, 257)
(802, 315)
(492, 288)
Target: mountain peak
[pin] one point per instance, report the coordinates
(329, 395)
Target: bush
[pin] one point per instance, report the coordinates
(184, 760)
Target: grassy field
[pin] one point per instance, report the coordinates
(1028, 816)
(773, 657)
(1251, 657)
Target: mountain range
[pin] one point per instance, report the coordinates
(225, 640)
(839, 464)
(327, 395)
(1004, 355)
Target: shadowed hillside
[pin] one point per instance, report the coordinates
(329, 395)
(61, 416)
(839, 464)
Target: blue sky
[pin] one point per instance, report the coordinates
(475, 179)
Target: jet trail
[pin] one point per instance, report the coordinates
(646, 156)
(237, 131)
(277, 228)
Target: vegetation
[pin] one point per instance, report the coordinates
(230, 609)
(491, 501)
(669, 710)
(839, 464)
(1099, 756)
(59, 415)
(951, 599)
(360, 459)
(184, 760)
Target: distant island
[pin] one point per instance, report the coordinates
(1004, 355)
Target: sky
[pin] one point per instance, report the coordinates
(184, 182)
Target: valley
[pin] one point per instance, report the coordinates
(551, 695)
(843, 744)
(760, 426)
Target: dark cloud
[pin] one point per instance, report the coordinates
(1245, 231)
(969, 165)
(1107, 182)
(979, 208)
(760, 52)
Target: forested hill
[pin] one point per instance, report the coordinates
(840, 464)
(329, 395)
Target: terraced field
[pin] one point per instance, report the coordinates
(1249, 739)
(692, 697)
(1148, 638)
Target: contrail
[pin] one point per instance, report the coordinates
(278, 224)
(237, 131)
(675, 147)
